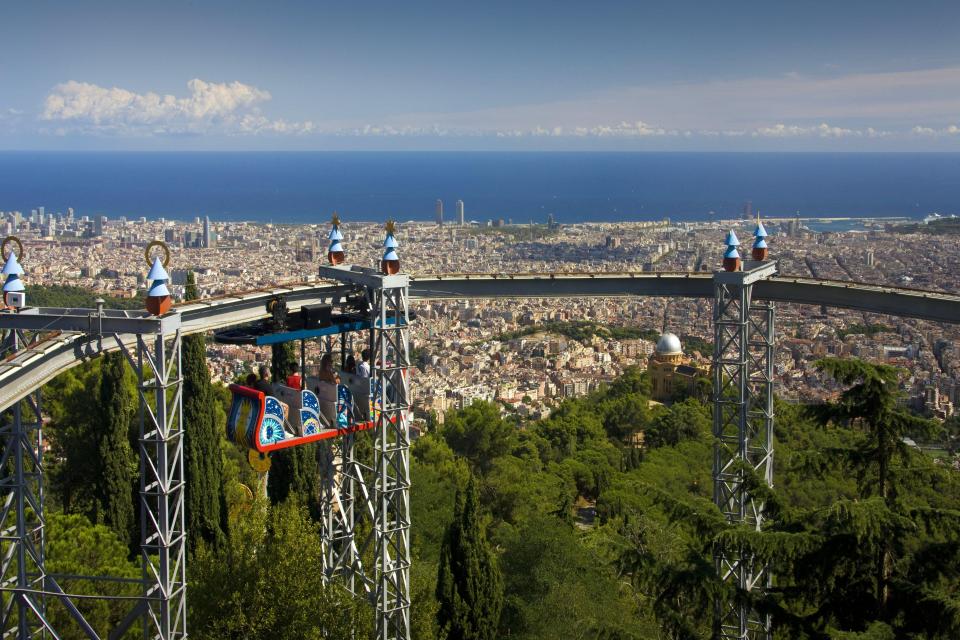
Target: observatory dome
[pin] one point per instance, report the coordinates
(669, 344)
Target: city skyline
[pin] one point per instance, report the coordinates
(544, 76)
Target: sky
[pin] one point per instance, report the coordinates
(678, 75)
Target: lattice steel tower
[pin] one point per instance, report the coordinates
(152, 347)
(743, 434)
(366, 502)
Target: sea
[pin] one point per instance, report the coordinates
(522, 187)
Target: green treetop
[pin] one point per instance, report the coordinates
(469, 583)
(205, 508)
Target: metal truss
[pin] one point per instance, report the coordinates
(154, 353)
(392, 461)
(743, 435)
(22, 575)
(366, 498)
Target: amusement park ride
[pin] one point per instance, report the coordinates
(365, 496)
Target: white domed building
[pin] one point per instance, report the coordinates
(670, 370)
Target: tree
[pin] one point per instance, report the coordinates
(870, 403)
(77, 548)
(205, 508)
(478, 434)
(265, 584)
(118, 464)
(469, 584)
(283, 361)
(295, 472)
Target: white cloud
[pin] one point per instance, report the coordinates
(230, 108)
(929, 132)
(822, 130)
(621, 130)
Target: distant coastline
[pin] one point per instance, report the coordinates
(306, 187)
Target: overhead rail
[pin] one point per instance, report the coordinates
(78, 340)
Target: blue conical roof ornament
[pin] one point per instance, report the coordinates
(335, 253)
(158, 294)
(157, 272)
(158, 289)
(759, 232)
(13, 271)
(390, 263)
(732, 240)
(335, 229)
(732, 252)
(760, 243)
(12, 266)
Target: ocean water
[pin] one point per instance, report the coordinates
(307, 187)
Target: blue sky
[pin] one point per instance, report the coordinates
(678, 75)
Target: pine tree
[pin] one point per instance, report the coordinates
(469, 583)
(870, 403)
(205, 508)
(113, 505)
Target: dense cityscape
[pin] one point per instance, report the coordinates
(492, 350)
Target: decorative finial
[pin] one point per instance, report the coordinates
(390, 263)
(335, 253)
(158, 295)
(731, 259)
(13, 286)
(759, 251)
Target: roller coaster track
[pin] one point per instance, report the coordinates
(41, 362)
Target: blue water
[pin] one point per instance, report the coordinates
(307, 187)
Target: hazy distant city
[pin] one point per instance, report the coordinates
(463, 348)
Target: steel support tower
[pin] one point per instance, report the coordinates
(152, 347)
(366, 499)
(22, 575)
(743, 360)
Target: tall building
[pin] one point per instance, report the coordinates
(748, 210)
(439, 212)
(460, 212)
(99, 222)
(207, 234)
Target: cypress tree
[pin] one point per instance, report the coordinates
(283, 361)
(205, 509)
(113, 505)
(469, 583)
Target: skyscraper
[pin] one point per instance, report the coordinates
(460, 212)
(439, 211)
(748, 210)
(207, 239)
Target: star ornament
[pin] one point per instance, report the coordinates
(391, 227)
(335, 220)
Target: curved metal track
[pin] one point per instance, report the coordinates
(41, 363)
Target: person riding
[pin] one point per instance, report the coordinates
(363, 367)
(264, 384)
(294, 381)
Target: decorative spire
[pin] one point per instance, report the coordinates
(760, 250)
(158, 295)
(390, 263)
(731, 259)
(335, 253)
(12, 270)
